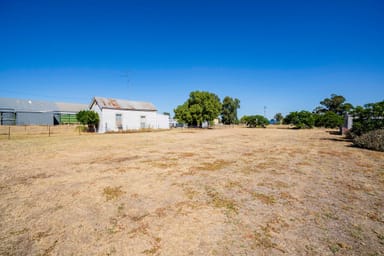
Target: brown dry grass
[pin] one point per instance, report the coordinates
(191, 192)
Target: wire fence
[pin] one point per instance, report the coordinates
(27, 131)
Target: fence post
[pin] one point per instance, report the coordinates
(49, 131)
(9, 132)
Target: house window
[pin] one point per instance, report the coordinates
(119, 121)
(142, 122)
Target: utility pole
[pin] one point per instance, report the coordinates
(265, 111)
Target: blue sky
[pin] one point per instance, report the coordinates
(285, 55)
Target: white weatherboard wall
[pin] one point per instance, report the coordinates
(162, 121)
(130, 119)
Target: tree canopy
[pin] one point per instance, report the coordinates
(254, 121)
(302, 119)
(201, 106)
(279, 118)
(328, 119)
(335, 104)
(368, 118)
(330, 114)
(229, 110)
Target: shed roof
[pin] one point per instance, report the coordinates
(23, 105)
(123, 104)
(70, 107)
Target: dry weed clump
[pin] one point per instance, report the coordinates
(155, 247)
(186, 154)
(266, 199)
(214, 166)
(220, 201)
(112, 193)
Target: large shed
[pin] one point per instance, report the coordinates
(34, 112)
(119, 115)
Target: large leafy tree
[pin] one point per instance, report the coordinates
(201, 106)
(330, 114)
(88, 117)
(229, 110)
(335, 104)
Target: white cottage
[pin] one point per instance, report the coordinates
(120, 115)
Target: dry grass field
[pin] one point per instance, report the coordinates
(191, 192)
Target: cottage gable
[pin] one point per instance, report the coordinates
(120, 104)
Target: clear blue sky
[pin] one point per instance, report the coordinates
(285, 55)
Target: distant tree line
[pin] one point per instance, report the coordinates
(203, 106)
(329, 115)
(368, 120)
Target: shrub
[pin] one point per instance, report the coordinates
(90, 118)
(368, 118)
(302, 119)
(328, 119)
(255, 121)
(371, 140)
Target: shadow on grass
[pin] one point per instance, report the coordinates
(338, 137)
(334, 132)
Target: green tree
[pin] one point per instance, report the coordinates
(302, 119)
(229, 110)
(328, 119)
(368, 118)
(90, 118)
(279, 117)
(201, 106)
(254, 121)
(335, 104)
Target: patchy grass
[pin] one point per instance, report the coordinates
(112, 193)
(228, 191)
(334, 248)
(186, 154)
(190, 193)
(220, 201)
(155, 248)
(266, 199)
(214, 165)
(263, 238)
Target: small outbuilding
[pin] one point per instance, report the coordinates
(122, 115)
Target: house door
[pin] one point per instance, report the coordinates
(142, 122)
(119, 122)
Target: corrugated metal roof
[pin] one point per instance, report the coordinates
(123, 104)
(22, 105)
(70, 107)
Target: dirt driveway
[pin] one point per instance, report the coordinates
(191, 192)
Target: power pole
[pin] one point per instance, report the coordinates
(265, 111)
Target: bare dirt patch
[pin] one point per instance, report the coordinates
(231, 191)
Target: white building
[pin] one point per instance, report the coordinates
(119, 115)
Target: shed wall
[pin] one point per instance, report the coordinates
(34, 118)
